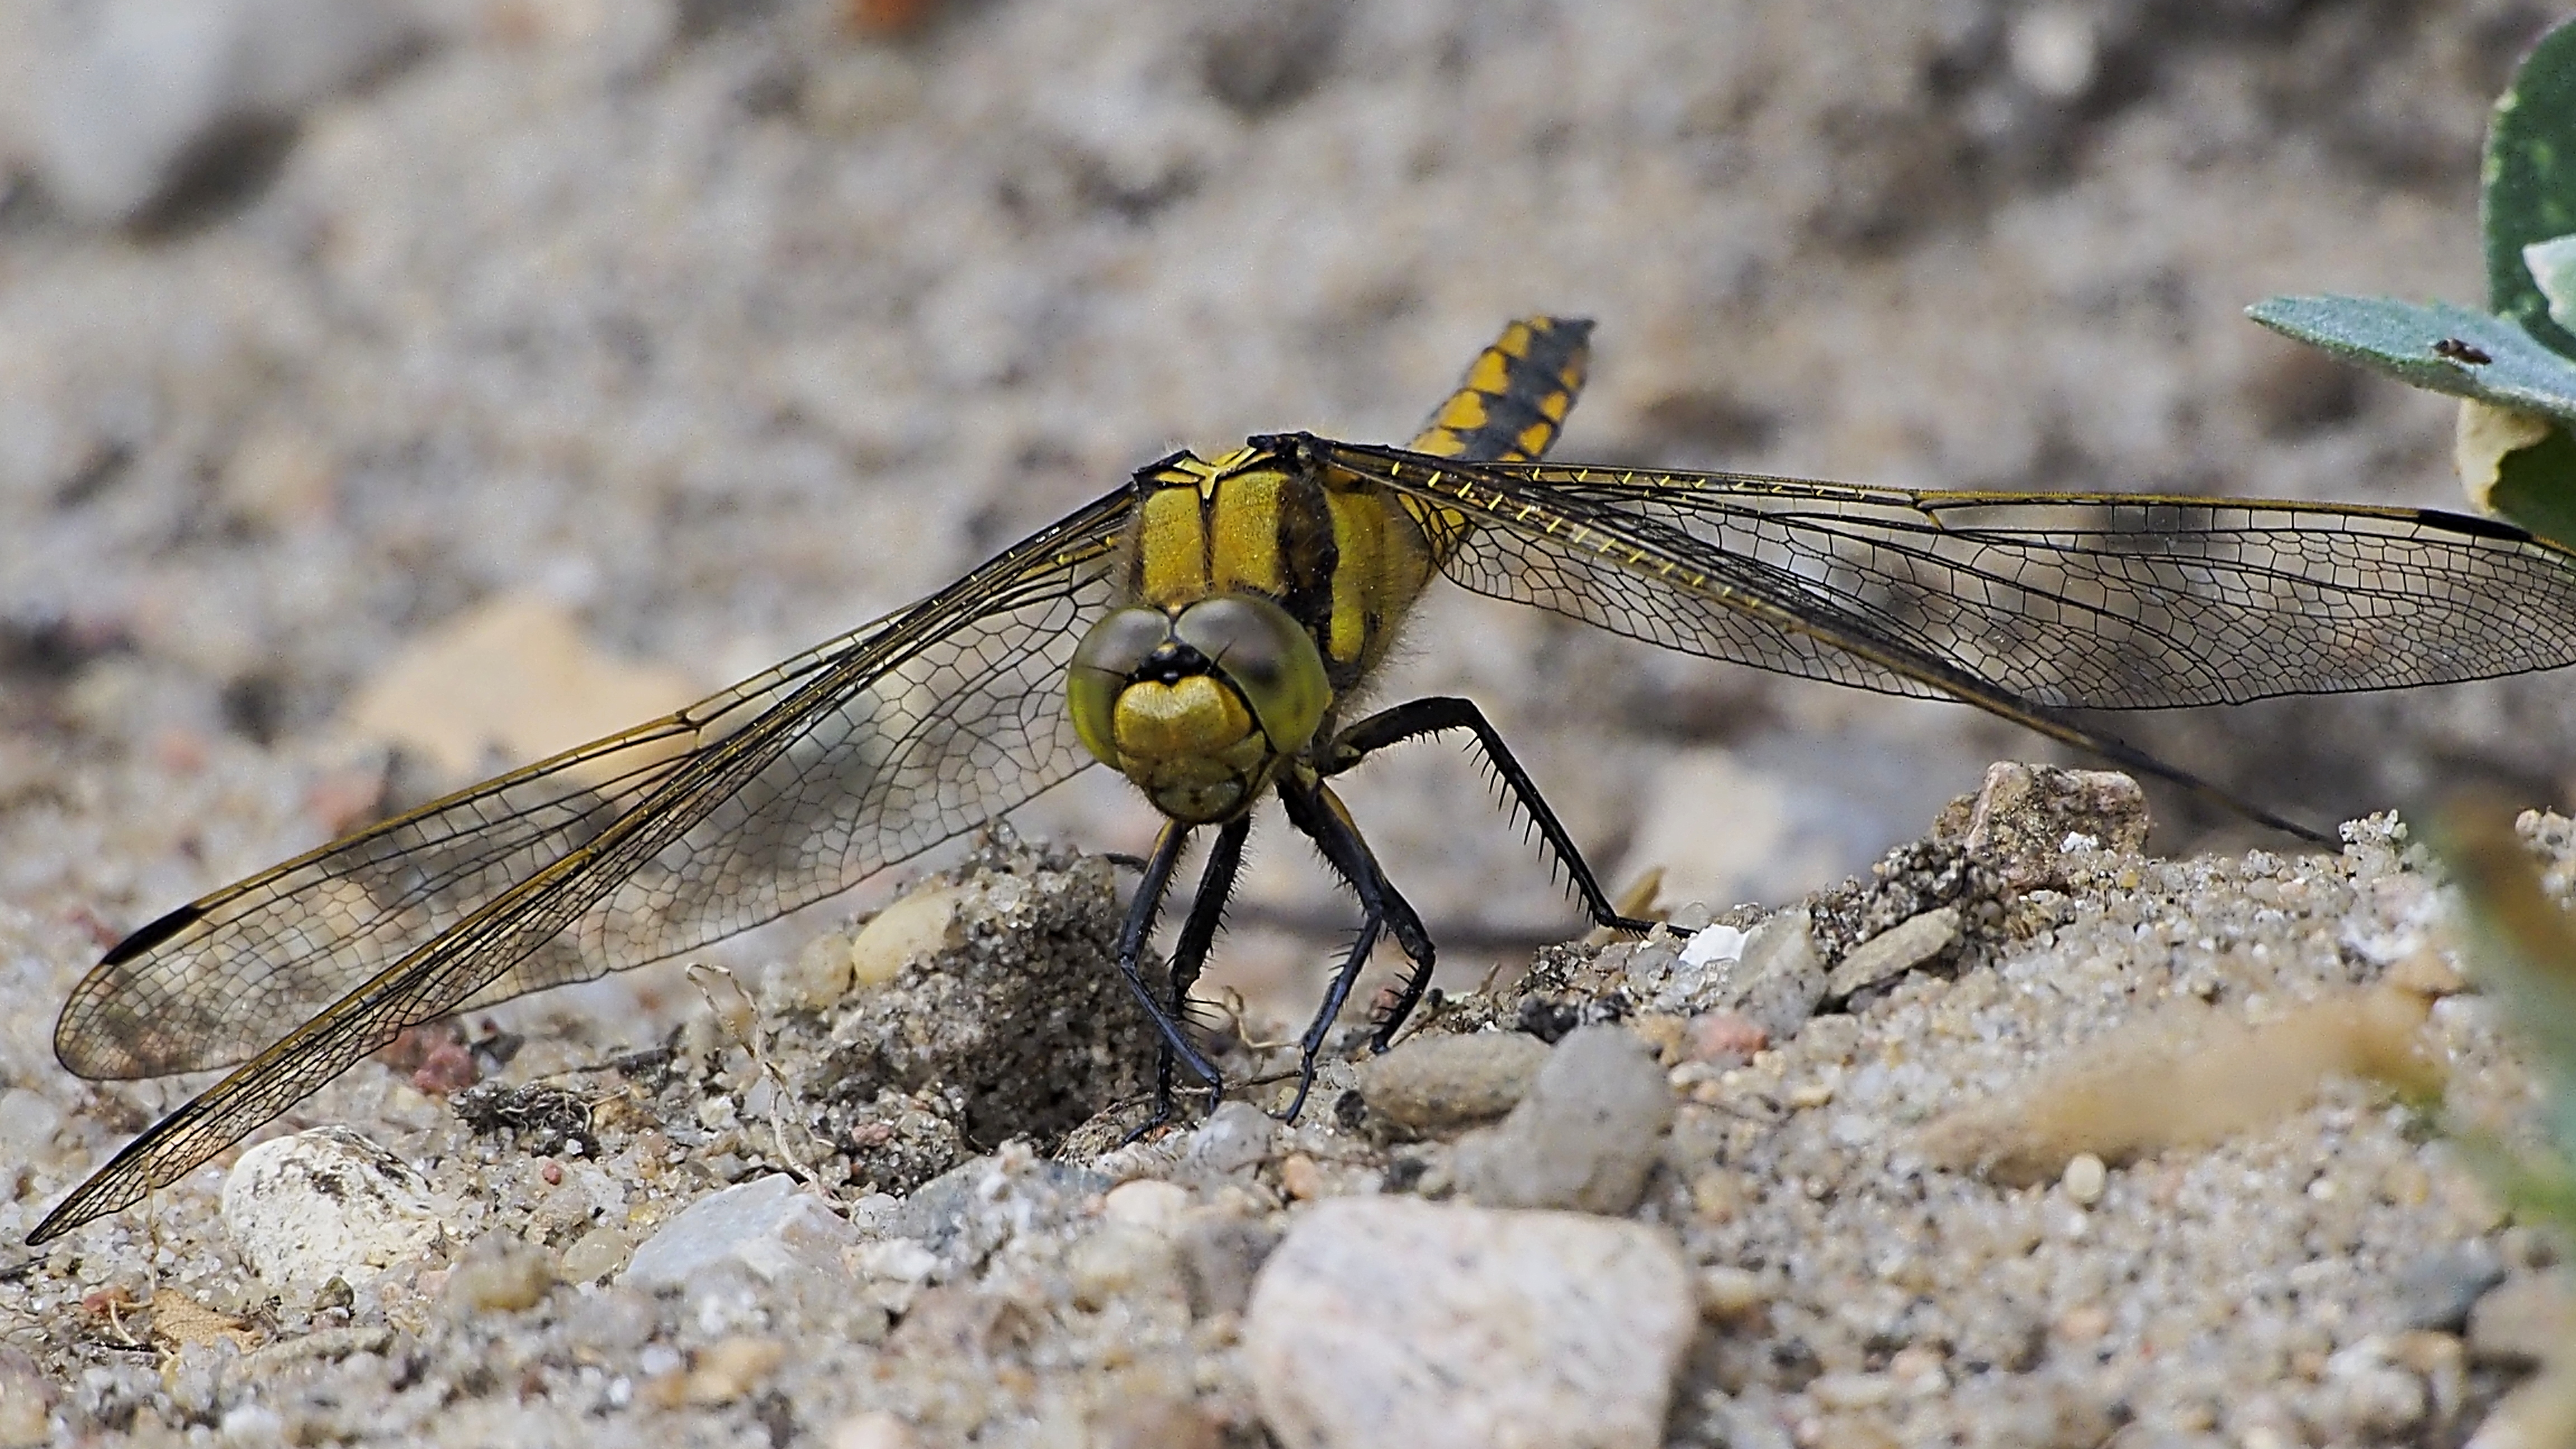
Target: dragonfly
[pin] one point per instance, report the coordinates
(1203, 629)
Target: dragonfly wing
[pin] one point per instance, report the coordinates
(840, 762)
(2056, 601)
(916, 732)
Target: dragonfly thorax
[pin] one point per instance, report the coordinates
(1198, 704)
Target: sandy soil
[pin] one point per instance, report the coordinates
(712, 329)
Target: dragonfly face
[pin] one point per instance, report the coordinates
(1200, 629)
(1198, 705)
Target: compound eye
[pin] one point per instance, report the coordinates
(1256, 646)
(1109, 655)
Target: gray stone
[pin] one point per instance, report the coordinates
(1121, 1260)
(1235, 1136)
(499, 1273)
(1584, 1138)
(1775, 980)
(2527, 1319)
(766, 1228)
(2437, 1290)
(1220, 1258)
(965, 1214)
(1432, 1084)
(324, 1204)
(1395, 1321)
(1891, 953)
(159, 97)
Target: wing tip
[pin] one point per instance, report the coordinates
(85, 1205)
(2477, 525)
(138, 942)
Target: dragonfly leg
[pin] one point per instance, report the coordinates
(1313, 809)
(1416, 718)
(1190, 953)
(1312, 1043)
(1131, 951)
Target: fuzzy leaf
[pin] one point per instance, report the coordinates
(2432, 345)
(2527, 186)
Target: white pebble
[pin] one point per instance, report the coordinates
(327, 1204)
(2084, 1178)
(1396, 1321)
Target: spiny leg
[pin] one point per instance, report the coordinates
(1312, 1043)
(1189, 954)
(1416, 718)
(1314, 810)
(1131, 950)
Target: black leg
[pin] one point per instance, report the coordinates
(1190, 953)
(1131, 950)
(1312, 1043)
(1420, 717)
(1313, 809)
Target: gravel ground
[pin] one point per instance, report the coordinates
(649, 326)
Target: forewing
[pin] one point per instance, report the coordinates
(896, 736)
(923, 729)
(2058, 601)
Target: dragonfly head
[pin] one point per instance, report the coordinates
(1198, 704)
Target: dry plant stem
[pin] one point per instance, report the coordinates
(779, 1092)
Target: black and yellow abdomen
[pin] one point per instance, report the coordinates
(1345, 558)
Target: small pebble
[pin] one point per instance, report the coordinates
(2084, 1323)
(1396, 1321)
(1900, 948)
(1846, 1392)
(1775, 982)
(1724, 1036)
(2026, 819)
(1146, 1203)
(1300, 1178)
(596, 1254)
(1432, 1084)
(766, 1227)
(1235, 1136)
(2084, 1178)
(1727, 1292)
(912, 929)
(500, 1273)
(324, 1204)
(1713, 944)
(1118, 1260)
(1584, 1138)
(875, 1429)
(2529, 1318)
(730, 1368)
(28, 1122)
(27, 1399)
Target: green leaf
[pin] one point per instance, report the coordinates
(2536, 487)
(2552, 265)
(2527, 190)
(2433, 345)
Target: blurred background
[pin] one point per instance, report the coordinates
(392, 391)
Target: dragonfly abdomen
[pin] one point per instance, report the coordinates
(1516, 395)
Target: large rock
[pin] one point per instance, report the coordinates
(1395, 1321)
